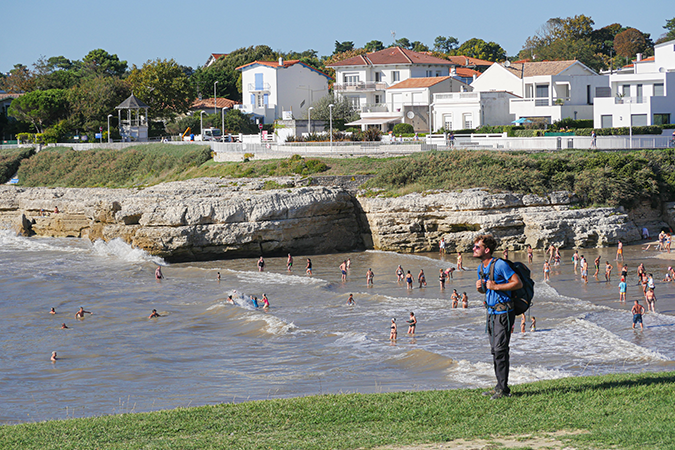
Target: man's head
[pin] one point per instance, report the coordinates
(484, 246)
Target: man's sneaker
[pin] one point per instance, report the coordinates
(499, 394)
(489, 393)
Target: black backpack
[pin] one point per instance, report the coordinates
(521, 298)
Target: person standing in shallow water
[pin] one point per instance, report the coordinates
(393, 333)
(501, 316)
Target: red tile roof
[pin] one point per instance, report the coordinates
(418, 82)
(285, 65)
(531, 69)
(466, 73)
(207, 103)
(391, 55)
(651, 58)
(461, 60)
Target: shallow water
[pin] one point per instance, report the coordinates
(204, 350)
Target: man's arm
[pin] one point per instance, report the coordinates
(513, 284)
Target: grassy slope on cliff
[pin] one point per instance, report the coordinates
(625, 411)
(10, 159)
(598, 178)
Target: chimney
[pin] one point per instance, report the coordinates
(281, 61)
(639, 57)
(453, 71)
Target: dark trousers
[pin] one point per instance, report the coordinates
(499, 329)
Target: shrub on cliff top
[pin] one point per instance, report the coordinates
(10, 159)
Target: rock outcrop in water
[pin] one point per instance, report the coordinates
(213, 218)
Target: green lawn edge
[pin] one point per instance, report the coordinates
(623, 411)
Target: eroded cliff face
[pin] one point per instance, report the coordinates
(417, 222)
(192, 220)
(213, 218)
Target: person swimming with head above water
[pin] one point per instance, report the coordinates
(80, 314)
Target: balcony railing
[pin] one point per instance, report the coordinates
(360, 86)
(545, 101)
(258, 88)
(624, 100)
(457, 96)
(374, 107)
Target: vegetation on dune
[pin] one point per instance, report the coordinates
(624, 411)
(10, 159)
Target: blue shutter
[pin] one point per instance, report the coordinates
(253, 99)
(258, 81)
(266, 99)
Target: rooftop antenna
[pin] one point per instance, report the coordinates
(393, 36)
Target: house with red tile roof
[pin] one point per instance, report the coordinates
(207, 105)
(276, 89)
(364, 79)
(213, 58)
(642, 93)
(408, 102)
(548, 90)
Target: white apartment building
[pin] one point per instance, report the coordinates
(642, 93)
(548, 90)
(270, 88)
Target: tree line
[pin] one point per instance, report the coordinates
(64, 97)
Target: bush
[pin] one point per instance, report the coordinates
(619, 131)
(402, 128)
(528, 133)
(10, 160)
(568, 122)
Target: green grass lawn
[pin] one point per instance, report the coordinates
(612, 411)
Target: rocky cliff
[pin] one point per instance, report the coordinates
(213, 218)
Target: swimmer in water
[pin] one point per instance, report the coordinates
(465, 300)
(255, 301)
(399, 273)
(422, 279)
(349, 263)
(158, 273)
(289, 262)
(412, 323)
(522, 324)
(369, 277)
(261, 264)
(409, 280)
(441, 278)
(64, 326)
(218, 277)
(52, 311)
(153, 314)
(393, 333)
(343, 270)
(350, 300)
(80, 314)
(533, 327)
(308, 268)
(455, 298)
(54, 358)
(266, 302)
(229, 299)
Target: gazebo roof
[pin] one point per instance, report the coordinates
(132, 103)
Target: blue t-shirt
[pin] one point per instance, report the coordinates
(622, 287)
(502, 275)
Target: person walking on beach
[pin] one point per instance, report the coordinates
(308, 268)
(409, 280)
(584, 269)
(497, 288)
(343, 270)
(459, 261)
(421, 279)
(529, 254)
(597, 267)
(650, 298)
(622, 290)
(158, 273)
(289, 262)
(393, 332)
(547, 271)
(619, 250)
(638, 310)
(399, 273)
(412, 323)
(441, 278)
(369, 277)
(441, 247)
(575, 258)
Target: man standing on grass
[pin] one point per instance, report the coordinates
(501, 316)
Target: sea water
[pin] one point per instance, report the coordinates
(204, 350)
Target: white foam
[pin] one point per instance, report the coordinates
(439, 263)
(274, 325)
(117, 248)
(482, 373)
(277, 278)
(12, 242)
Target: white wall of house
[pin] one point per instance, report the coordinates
(260, 99)
(644, 96)
(497, 78)
(457, 110)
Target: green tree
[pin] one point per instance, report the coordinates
(445, 44)
(41, 108)
(20, 79)
(345, 46)
(93, 99)
(57, 72)
(343, 110)
(478, 48)
(163, 86)
(669, 35)
(374, 46)
(403, 43)
(100, 62)
(417, 46)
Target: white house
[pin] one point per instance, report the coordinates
(463, 110)
(548, 90)
(642, 93)
(408, 102)
(270, 88)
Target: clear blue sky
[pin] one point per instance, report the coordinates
(188, 32)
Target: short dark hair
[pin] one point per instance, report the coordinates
(489, 241)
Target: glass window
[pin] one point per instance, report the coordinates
(661, 119)
(625, 90)
(396, 75)
(638, 120)
(468, 121)
(606, 121)
(429, 74)
(447, 121)
(658, 90)
(378, 77)
(639, 93)
(351, 78)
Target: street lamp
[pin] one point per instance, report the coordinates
(330, 111)
(201, 124)
(222, 128)
(215, 98)
(309, 119)
(109, 116)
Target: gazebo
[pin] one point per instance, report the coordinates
(135, 127)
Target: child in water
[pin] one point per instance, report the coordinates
(533, 327)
